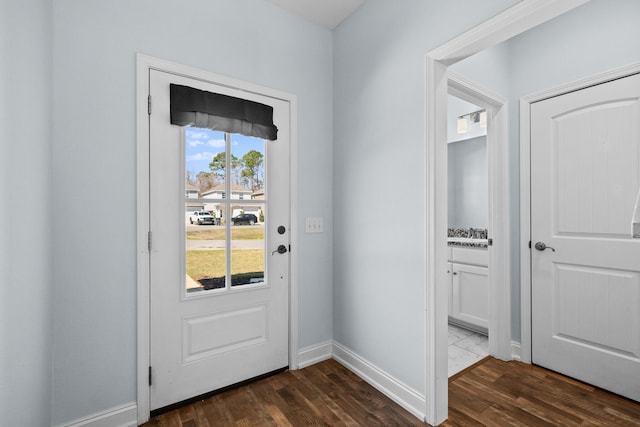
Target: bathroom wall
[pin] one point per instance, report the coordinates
(468, 183)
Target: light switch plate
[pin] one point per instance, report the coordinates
(313, 225)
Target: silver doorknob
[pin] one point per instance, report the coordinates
(541, 247)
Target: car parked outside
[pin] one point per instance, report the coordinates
(202, 217)
(244, 219)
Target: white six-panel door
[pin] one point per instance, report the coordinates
(205, 340)
(585, 175)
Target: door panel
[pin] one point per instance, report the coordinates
(471, 294)
(597, 307)
(597, 168)
(207, 332)
(585, 174)
(209, 335)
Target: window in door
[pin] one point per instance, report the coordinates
(225, 225)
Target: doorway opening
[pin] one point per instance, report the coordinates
(488, 269)
(516, 20)
(467, 233)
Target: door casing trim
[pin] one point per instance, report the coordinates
(517, 19)
(144, 63)
(498, 197)
(525, 186)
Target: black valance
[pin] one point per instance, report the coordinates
(194, 107)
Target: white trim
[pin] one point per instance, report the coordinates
(393, 388)
(498, 172)
(525, 234)
(142, 222)
(436, 303)
(144, 64)
(515, 20)
(516, 351)
(120, 416)
(525, 186)
(616, 73)
(294, 232)
(314, 354)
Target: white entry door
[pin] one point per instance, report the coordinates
(585, 176)
(219, 287)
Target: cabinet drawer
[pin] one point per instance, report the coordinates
(470, 256)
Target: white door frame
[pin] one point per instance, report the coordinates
(499, 255)
(525, 186)
(521, 17)
(144, 64)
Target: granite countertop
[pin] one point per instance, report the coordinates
(468, 237)
(468, 242)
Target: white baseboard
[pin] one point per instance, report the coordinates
(120, 416)
(403, 395)
(313, 354)
(409, 399)
(516, 351)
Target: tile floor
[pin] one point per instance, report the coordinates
(465, 348)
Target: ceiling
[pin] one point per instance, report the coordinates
(328, 13)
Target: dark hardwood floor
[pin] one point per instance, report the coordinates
(325, 394)
(490, 393)
(497, 393)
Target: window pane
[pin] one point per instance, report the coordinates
(205, 162)
(205, 256)
(247, 243)
(247, 158)
(247, 215)
(224, 216)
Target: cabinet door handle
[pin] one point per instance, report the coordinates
(455, 273)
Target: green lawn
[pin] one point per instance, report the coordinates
(237, 233)
(211, 263)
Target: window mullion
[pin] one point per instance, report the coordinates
(228, 211)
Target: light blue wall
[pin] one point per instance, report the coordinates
(94, 160)
(489, 68)
(379, 175)
(25, 213)
(5, 214)
(468, 183)
(378, 66)
(596, 37)
(374, 84)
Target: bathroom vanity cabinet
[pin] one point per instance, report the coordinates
(469, 287)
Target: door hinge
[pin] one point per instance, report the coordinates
(149, 241)
(149, 104)
(289, 248)
(529, 244)
(490, 242)
(150, 381)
